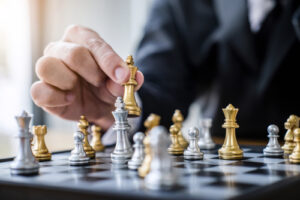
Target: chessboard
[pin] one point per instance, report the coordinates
(254, 177)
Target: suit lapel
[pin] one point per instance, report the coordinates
(278, 47)
(233, 18)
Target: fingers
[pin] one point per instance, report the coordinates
(78, 59)
(107, 59)
(54, 72)
(118, 90)
(45, 95)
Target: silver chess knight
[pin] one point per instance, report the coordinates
(273, 148)
(138, 154)
(123, 150)
(162, 174)
(25, 163)
(78, 155)
(193, 151)
(205, 140)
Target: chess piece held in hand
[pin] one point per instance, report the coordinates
(129, 99)
(40, 150)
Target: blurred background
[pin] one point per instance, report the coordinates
(27, 26)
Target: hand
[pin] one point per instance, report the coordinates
(81, 75)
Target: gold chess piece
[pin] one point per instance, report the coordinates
(291, 123)
(230, 149)
(152, 121)
(96, 140)
(295, 156)
(129, 99)
(175, 148)
(178, 119)
(40, 150)
(144, 169)
(83, 126)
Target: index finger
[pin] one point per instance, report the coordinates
(107, 59)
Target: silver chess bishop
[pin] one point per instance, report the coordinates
(193, 151)
(123, 150)
(205, 141)
(273, 148)
(78, 156)
(138, 154)
(162, 174)
(24, 163)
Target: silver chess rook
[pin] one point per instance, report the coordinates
(273, 148)
(123, 150)
(193, 151)
(24, 163)
(205, 140)
(78, 156)
(138, 154)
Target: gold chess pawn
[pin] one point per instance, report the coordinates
(295, 156)
(230, 149)
(96, 140)
(83, 126)
(40, 150)
(144, 169)
(291, 123)
(175, 148)
(152, 121)
(129, 99)
(178, 119)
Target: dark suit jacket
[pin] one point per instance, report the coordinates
(190, 45)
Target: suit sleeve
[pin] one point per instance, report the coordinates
(167, 59)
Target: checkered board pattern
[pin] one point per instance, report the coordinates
(210, 178)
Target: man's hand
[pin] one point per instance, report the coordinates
(81, 75)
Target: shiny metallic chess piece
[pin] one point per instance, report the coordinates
(138, 155)
(96, 140)
(295, 156)
(193, 151)
(123, 150)
(175, 148)
(290, 125)
(230, 149)
(129, 99)
(273, 148)
(144, 169)
(40, 150)
(83, 126)
(78, 156)
(161, 175)
(205, 140)
(152, 121)
(24, 163)
(177, 119)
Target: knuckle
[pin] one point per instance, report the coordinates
(43, 65)
(49, 47)
(76, 56)
(94, 44)
(108, 59)
(72, 29)
(72, 83)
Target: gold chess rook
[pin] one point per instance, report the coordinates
(230, 149)
(40, 150)
(129, 99)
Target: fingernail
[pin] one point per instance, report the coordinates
(70, 97)
(120, 74)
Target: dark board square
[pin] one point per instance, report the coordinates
(269, 172)
(232, 184)
(247, 164)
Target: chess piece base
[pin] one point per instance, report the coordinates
(207, 146)
(120, 158)
(43, 157)
(90, 153)
(294, 158)
(133, 111)
(193, 156)
(79, 161)
(175, 151)
(160, 181)
(228, 154)
(288, 148)
(99, 148)
(134, 164)
(24, 171)
(273, 152)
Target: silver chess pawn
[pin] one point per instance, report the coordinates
(78, 156)
(205, 141)
(161, 175)
(25, 163)
(193, 151)
(123, 150)
(273, 148)
(138, 154)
